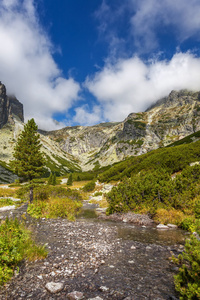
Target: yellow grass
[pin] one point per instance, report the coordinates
(7, 192)
(78, 184)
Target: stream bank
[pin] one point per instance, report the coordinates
(110, 260)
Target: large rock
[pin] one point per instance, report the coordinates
(10, 107)
(54, 287)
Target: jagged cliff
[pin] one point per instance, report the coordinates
(10, 107)
(72, 148)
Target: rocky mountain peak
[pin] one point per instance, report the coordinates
(10, 107)
(176, 98)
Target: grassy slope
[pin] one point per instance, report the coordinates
(172, 159)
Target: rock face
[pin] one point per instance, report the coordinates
(167, 121)
(9, 107)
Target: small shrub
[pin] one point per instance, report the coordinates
(197, 208)
(70, 180)
(188, 223)
(169, 216)
(50, 179)
(39, 180)
(98, 194)
(187, 281)
(89, 187)
(16, 244)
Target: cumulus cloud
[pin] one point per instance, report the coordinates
(85, 117)
(181, 16)
(130, 85)
(144, 22)
(27, 66)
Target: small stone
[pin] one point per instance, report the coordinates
(148, 248)
(104, 289)
(131, 261)
(111, 266)
(75, 296)
(96, 298)
(40, 277)
(133, 247)
(172, 226)
(54, 287)
(162, 226)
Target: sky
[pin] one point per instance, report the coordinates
(83, 62)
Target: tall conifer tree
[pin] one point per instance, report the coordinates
(28, 159)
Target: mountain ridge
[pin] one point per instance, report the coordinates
(89, 147)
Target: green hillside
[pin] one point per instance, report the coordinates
(171, 159)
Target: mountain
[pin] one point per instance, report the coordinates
(11, 125)
(88, 147)
(168, 120)
(10, 107)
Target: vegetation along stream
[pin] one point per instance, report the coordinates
(97, 258)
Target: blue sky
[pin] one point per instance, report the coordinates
(84, 62)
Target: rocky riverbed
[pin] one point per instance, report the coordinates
(97, 259)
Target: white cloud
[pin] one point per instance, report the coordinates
(145, 21)
(180, 16)
(84, 117)
(130, 85)
(27, 66)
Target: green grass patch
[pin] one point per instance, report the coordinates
(6, 202)
(54, 208)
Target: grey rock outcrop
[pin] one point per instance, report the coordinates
(9, 107)
(6, 176)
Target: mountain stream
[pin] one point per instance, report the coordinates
(99, 259)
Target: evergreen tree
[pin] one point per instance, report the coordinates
(54, 179)
(78, 178)
(28, 159)
(70, 180)
(50, 180)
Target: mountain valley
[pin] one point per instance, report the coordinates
(83, 148)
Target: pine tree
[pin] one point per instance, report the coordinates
(28, 159)
(54, 179)
(50, 180)
(70, 180)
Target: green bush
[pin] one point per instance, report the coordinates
(156, 189)
(172, 159)
(89, 187)
(187, 281)
(16, 244)
(197, 209)
(6, 202)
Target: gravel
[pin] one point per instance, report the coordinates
(90, 258)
